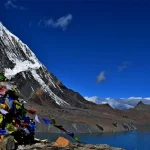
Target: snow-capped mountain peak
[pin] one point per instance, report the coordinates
(16, 57)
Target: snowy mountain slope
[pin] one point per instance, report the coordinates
(22, 59)
(21, 64)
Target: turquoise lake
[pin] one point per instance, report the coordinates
(135, 140)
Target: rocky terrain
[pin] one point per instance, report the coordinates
(71, 147)
(63, 144)
(60, 144)
(50, 97)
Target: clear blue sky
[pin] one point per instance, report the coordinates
(101, 36)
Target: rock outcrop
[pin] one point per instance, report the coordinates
(142, 107)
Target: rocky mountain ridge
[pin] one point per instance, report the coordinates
(142, 107)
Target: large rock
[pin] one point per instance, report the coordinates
(7, 143)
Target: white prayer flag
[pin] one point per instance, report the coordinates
(37, 118)
(4, 112)
(27, 131)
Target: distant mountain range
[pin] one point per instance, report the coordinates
(120, 103)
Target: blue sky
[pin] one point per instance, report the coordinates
(96, 47)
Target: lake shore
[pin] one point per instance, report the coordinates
(50, 146)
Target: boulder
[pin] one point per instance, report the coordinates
(7, 143)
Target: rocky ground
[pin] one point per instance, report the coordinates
(49, 146)
(60, 144)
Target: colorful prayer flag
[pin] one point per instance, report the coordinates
(1, 118)
(32, 127)
(70, 134)
(10, 128)
(60, 127)
(4, 112)
(31, 111)
(37, 118)
(26, 119)
(2, 101)
(46, 121)
(2, 90)
(77, 139)
(3, 132)
(9, 103)
(25, 124)
(4, 106)
(27, 131)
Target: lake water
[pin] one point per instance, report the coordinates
(135, 140)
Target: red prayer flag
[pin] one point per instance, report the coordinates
(31, 111)
(25, 124)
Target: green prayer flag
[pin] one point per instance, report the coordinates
(2, 78)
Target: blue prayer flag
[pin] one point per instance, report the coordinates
(70, 134)
(26, 119)
(2, 101)
(10, 99)
(46, 121)
(32, 127)
(3, 132)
